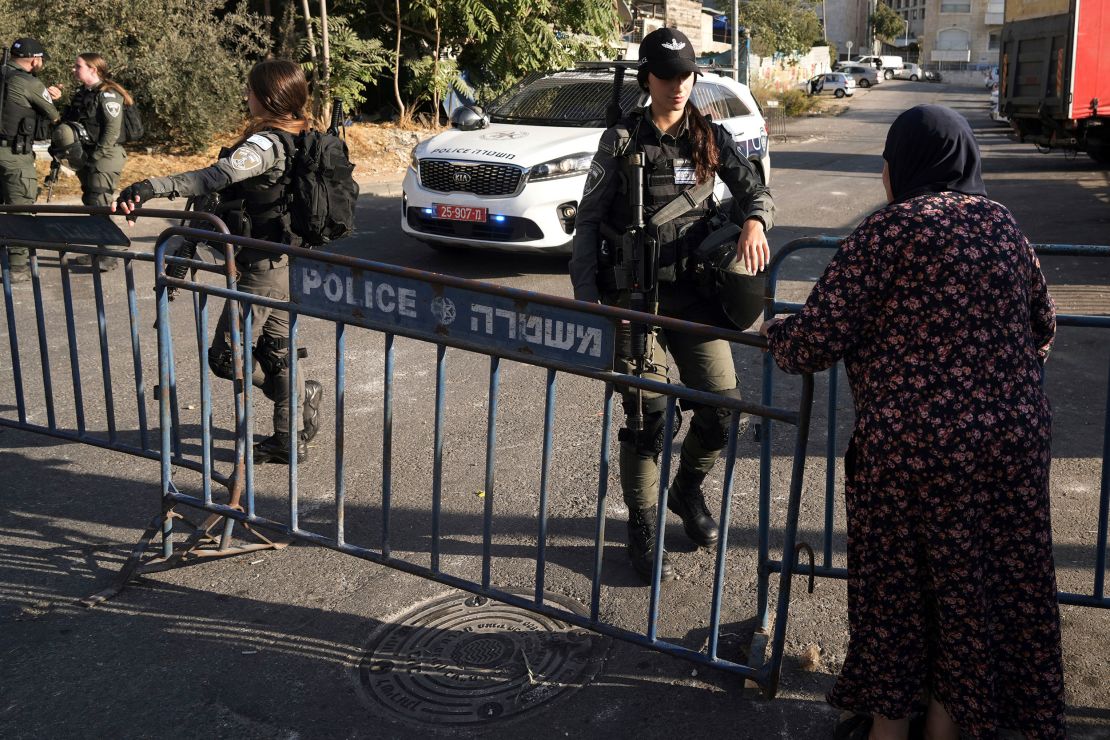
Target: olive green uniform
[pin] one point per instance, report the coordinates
(100, 111)
(703, 364)
(26, 99)
(257, 164)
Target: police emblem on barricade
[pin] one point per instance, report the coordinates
(244, 158)
(430, 310)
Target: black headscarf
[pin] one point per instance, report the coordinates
(930, 149)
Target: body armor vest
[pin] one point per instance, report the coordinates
(256, 209)
(17, 121)
(84, 109)
(678, 237)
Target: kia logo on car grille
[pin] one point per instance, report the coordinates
(461, 178)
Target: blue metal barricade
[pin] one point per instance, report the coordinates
(562, 336)
(825, 567)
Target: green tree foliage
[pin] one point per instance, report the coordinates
(183, 60)
(777, 26)
(499, 41)
(780, 26)
(355, 62)
(888, 25)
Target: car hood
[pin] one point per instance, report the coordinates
(507, 143)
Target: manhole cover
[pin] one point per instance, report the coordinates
(468, 661)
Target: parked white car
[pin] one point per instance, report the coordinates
(514, 183)
(909, 71)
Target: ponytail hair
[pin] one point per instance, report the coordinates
(100, 64)
(706, 156)
(279, 85)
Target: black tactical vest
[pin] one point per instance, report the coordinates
(679, 236)
(84, 109)
(264, 206)
(16, 120)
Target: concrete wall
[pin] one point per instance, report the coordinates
(783, 73)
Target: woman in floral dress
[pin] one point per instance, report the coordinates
(938, 307)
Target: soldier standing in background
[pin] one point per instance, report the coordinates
(97, 106)
(28, 109)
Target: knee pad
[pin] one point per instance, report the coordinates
(711, 424)
(222, 363)
(272, 354)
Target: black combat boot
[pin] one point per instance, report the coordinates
(687, 500)
(641, 545)
(313, 392)
(275, 449)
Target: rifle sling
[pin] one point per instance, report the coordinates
(685, 201)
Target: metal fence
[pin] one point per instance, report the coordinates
(563, 337)
(824, 567)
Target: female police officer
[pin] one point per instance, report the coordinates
(681, 149)
(97, 108)
(251, 177)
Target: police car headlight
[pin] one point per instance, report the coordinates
(575, 164)
(414, 161)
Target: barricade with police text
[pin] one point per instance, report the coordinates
(568, 343)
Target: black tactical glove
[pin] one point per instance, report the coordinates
(141, 191)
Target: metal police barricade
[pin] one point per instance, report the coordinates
(556, 334)
(825, 567)
(65, 231)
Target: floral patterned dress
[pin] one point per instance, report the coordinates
(939, 309)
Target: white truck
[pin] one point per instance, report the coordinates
(885, 63)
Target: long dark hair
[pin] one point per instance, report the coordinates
(280, 86)
(100, 64)
(705, 154)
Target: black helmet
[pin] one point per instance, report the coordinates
(469, 118)
(739, 291)
(66, 144)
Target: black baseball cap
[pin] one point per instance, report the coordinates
(666, 53)
(27, 48)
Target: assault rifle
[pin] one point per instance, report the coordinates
(634, 256)
(188, 248)
(52, 177)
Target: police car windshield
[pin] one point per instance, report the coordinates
(562, 99)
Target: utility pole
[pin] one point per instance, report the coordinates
(736, 41)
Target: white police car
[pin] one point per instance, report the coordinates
(515, 183)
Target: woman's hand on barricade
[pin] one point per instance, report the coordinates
(753, 247)
(766, 326)
(132, 196)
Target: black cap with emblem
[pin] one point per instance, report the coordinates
(666, 53)
(27, 48)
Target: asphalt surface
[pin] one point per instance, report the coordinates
(269, 644)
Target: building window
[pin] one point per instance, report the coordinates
(955, 7)
(992, 41)
(913, 15)
(953, 39)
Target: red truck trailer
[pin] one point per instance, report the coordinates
(1054, 69)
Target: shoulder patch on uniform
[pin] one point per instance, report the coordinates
(113, 109)
(593, 178)
(245, 158)
(46, 96)
(261, 141)
(108, 94)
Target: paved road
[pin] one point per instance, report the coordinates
(267, 645)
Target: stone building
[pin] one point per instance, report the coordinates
(962, 32)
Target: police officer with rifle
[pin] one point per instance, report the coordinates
(649, 237)
(28, 111)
